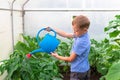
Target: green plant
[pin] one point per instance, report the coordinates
(103, 54)
(40, 67)
(64, 50)
(114, 72)
(113, 29)
(106, 52)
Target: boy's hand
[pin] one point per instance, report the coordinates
(54, 54)
(48, 29)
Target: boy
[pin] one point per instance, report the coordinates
(80, 49)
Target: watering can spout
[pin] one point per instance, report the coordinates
(37, 50)
(34, 51)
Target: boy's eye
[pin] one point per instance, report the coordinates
(76, 31)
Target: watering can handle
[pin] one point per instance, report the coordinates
(42, 30)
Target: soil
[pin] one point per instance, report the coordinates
(94, 75)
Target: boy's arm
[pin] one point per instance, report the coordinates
(63, 34)
(68, 59)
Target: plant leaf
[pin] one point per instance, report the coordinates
(114, 72)
(114, 33)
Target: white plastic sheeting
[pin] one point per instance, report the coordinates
(63, 21)
(5, 34)
(81, 4)
(6, 29)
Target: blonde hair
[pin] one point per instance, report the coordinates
(81, 21)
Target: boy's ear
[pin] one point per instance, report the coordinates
(85, 29)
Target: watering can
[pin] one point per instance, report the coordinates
(48, 44)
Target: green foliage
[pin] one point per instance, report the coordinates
(65, 47)
(105, 53)
(64, 50)
(113, 29)
(114, 72)
(40, 67)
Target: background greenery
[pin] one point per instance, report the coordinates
(105, 55)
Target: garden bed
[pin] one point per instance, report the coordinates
(94, 75)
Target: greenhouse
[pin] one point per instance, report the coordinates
(21, 33)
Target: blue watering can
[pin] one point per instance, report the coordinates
(48, 44)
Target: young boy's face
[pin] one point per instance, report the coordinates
(78, 31)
